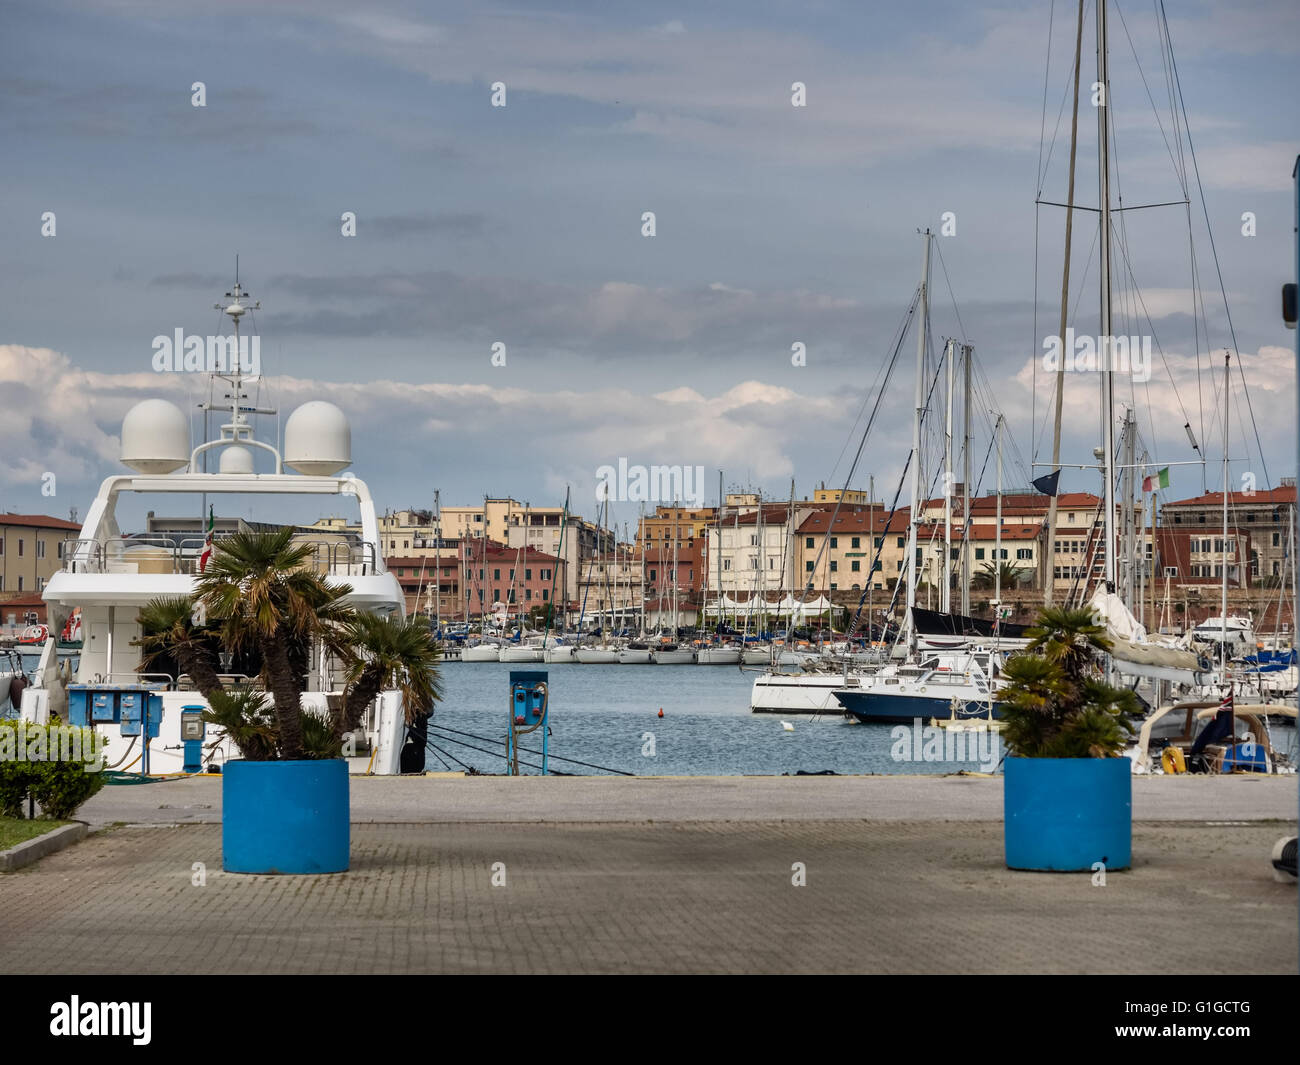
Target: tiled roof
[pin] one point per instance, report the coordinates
(38, 521)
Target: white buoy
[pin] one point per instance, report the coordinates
(787, 726)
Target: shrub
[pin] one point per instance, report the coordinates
(59, 785)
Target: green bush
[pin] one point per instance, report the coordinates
(58, 785)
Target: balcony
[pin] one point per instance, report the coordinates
(162, 555)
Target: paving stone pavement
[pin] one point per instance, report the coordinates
(881, 897)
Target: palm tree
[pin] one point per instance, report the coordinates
(1012, 575)
(170, 633)
(1056, 703)
(382, 653)
(260, 591)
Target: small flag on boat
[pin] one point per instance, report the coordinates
(1156, 480)
(207, 544)
(1047, 484)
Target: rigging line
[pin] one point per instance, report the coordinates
(1128, 266)
(495, 754)
(430, 743)
(1200, 188)
(1047, 74)
(951, 297)
(1143, 76)
(1060, 114)
(893, 361)
(1033, 370)
(902, 328)
(875, 561)
(437, 754)
(530, 750)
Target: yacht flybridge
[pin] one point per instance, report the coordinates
(111, 575)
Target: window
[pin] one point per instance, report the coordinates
(979, 554)
(900, 541)
(496, 574)
(20, 580)
(835, 566)
(40, 582)
(528, 594)
(835, 541)
(808, 541)
(546, 594)
(406, 543)
(1071, 517)
(1004, 553)
(726, 564)
(880, 541)
(528, 575)
(20, 547)
(40, 548)
(1024, 553)
(834, 586)
(808, 566)
(857, 542)
(857, 566)
(1277, 539)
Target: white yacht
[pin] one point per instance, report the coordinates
(110, 575)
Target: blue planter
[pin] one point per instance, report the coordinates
(1065, 814)
(285, 817)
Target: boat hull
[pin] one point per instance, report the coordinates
(892, 708)
(633, 656)
(596, 656)
(481, 653)
(678, 657)
(521, 654)
(717, 656)
(792, 693)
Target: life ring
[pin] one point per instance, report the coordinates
(34, 634)
(1172, 761)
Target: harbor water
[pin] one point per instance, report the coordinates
(608, 716)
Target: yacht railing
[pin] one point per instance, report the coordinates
(163, 555)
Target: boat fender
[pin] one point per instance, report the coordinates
(17, 685)
(1172, 761)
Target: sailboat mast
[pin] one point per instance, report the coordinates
(1104, 340)
(1223, 595)
(968, 352)
(945, 597)
(919, 409)
(997, 537)
(1049, 581)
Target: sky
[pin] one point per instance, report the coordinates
(522, 225)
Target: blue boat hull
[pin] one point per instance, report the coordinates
(888, 708)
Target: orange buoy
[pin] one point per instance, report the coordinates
(661, 711)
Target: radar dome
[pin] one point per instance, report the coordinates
(318, 439)
(236, 459)
(155, 437)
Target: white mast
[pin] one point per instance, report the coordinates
(968, 353)
(1104, 340)
(914, 516)
(945, 596)
(997, 538)
(1223, 600)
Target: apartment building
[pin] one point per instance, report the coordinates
(1267, 514)
(29, 551)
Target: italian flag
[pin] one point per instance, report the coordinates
(207, 544)
(1156, 480)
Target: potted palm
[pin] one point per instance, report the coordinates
(1067, 789)
(285, 802)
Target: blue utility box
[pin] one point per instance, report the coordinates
(136, 708)
(527, 699)
(192, 733)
